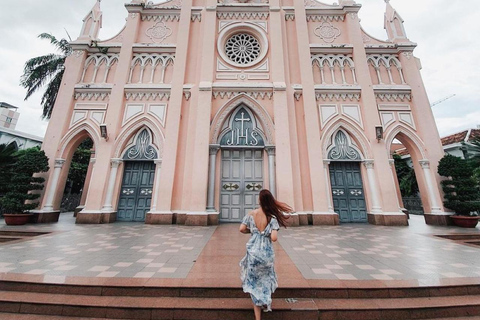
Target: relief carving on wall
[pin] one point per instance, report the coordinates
(159, 32)
(327, 32)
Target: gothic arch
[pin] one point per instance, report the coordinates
(415, 144)
(361, 141)
(133, 129)
(73, 137)
(257, 110)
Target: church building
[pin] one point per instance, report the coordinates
(197, 105)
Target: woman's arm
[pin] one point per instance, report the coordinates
(274, 235)
(244, 229)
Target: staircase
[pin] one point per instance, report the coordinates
(32, 301)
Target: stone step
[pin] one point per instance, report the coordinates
(236, 292)
(122, 307)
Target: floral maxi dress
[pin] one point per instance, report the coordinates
(257, 267)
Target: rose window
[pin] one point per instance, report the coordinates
(242, 48)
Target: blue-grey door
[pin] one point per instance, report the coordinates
(347, 191)
(242, 181)
(136, 192)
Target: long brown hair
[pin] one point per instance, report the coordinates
(274, 208)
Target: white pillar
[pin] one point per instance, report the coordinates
(54, 184)
(395, 182)
(435, 207)
(271, 169)
(156, 186)
(115, 163)
(328, 185)
(372, 184)
(211, 177)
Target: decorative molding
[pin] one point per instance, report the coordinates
(408, 54)
(77, 53)
(159, 32)
(327, 32)
(342, 148)
(369, 164)
(324, 18)
(213, 149)
(425, 164)
(59, 163)
(290, 16)
(142, 148)
(297, 91)
(162, 17)
(172, 4)
(89, 95)
(344, 96)
(196, 16)
(115, 163)
(392, 96)
(254, 94)
(243, 15)
(147, 95)
(270, 150)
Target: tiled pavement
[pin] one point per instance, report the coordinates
(201, 254)
(116, 250)
(366, 252)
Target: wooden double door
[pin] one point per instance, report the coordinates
(242, 181)
(136, 192)
(347, 191)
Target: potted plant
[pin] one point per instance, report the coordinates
(20, 182)
(462, 193)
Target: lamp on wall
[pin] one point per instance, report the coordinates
(379, 133)
(103, 131)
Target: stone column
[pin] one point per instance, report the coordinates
(328, 185)
(396, 184)
(53, 185)
(271, 169)
(372, 184)
(115, 163)
(156, 186)
(211, 177)
(430, 182)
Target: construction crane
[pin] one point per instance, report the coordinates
(442, 100)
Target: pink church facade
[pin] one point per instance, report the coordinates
(196, 105)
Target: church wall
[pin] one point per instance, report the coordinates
(321, 73)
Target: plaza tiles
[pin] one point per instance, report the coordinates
(182, 255)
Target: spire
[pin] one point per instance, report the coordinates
(92, 23)
(394, 24)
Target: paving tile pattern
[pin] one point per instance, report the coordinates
(210, 255)
(366, 252)
(127, 250)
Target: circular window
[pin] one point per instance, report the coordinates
(242, 48)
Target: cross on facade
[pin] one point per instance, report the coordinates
(242, 119)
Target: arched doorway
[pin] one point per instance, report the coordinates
(242, 144)
(346, 179)
(136, 191)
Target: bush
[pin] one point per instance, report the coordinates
(21, 181)
(461, 189)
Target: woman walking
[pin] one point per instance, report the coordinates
(257, 267)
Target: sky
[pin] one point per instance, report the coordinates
(446, 32)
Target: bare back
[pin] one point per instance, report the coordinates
(260, 219)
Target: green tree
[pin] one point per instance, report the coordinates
(79, 166)
(461, 190)
(406, 177)
(46, 71)
(22, 181)
(7, 159)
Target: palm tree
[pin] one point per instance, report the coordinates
(46, 70)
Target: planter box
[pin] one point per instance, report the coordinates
(464, 221)
(17, 219)
(45, 217)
